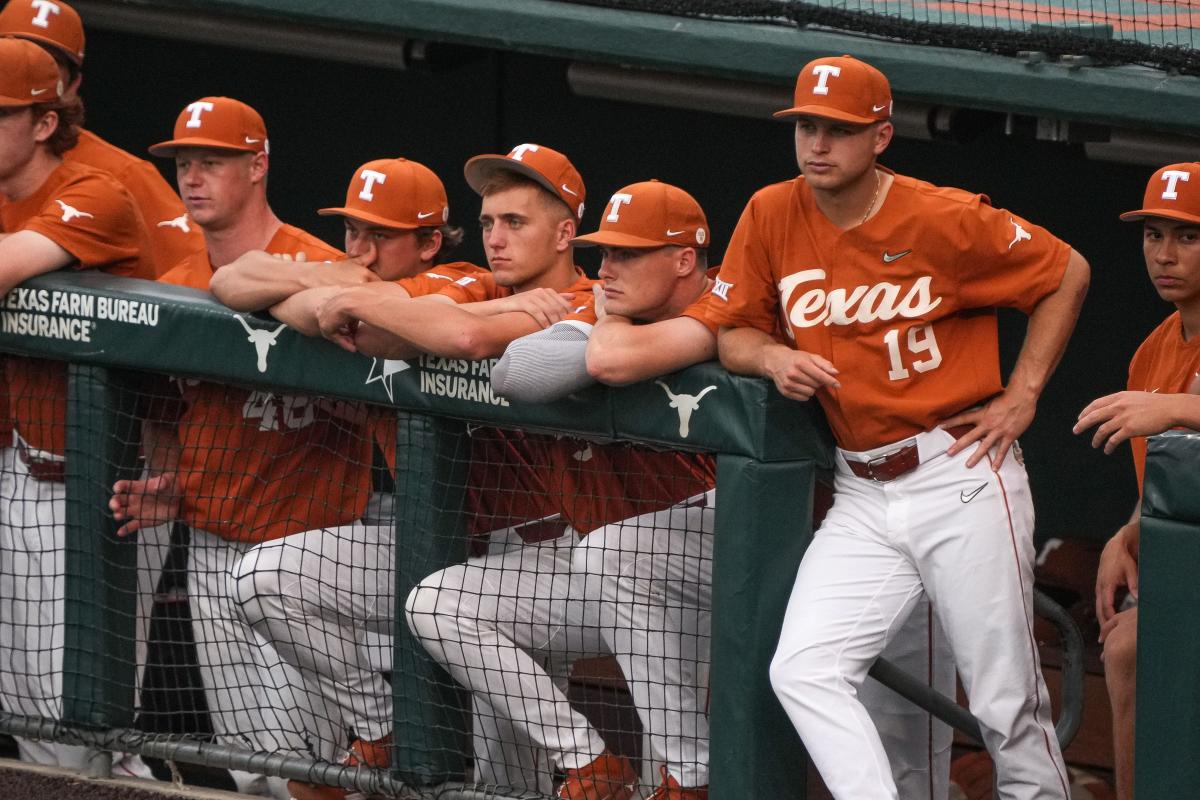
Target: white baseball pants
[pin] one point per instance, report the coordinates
(962, 536)
(324, 600)
(249, 689)
(491, 622)
(33, 608)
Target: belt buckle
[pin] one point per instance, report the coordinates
(878, 461)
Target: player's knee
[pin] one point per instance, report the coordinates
(436, 596)
(1120, 654)
(798, 673)
(599, 553)
(255, 585)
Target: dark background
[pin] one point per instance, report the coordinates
(326, 118)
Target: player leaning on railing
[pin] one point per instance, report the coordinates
(532, 198)
(319, 596)
(652, 319)
(241, 467)
(53, 214)
(1164, 381)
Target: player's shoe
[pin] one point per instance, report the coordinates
(609, 777)
(362, 753)
(671, 790)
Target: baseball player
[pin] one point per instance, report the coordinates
(532, 199)
(236, 460)
(1164, 381)
(652, 319)
(56, 26)
(325, 598)
(56, 214)
(885, 287)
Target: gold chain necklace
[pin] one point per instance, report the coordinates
(874, 197)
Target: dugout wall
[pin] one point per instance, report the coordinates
(112, 331)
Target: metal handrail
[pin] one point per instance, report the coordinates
(960, 718)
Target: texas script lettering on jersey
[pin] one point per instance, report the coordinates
(883, 301)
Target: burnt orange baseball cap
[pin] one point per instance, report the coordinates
(548, 167)
(650, 214)
(217, 123)
(1172, 193)
(841, 88)
(395, 193)
(48, 22)
(28, 74)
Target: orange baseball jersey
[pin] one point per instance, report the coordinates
(474, 289)
(902, 305)
(257, 465)
(440, 277)
(196, 270)
(701, 309)
(91, 216)
(173, 237)
(429, 282)
(599, 484)
(1164, 363)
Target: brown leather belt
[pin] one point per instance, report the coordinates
(42, 469)
(898, 462)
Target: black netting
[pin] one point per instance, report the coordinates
(1162, 35)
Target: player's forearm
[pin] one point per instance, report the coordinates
(299, 311)
(1050, 326)
(620, 352)
(25, 254)
(258, 280)
(744, 351)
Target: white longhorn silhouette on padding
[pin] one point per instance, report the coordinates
(685, 404)
(262, 339)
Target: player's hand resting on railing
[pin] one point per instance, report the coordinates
(144, 503)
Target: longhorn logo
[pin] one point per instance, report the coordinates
(180, 222)
(263, 340)
(1019, 235)
(685, 404)
(71, 212)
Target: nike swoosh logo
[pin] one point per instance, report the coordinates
(967, 497)
(568, 191)
(36, 92)
(674, 233)
(421, 215)
(889, 258)
(877, 109)
(252, 141)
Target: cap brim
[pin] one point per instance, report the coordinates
(825, 112)
(372, 219)
(75, 58)
(614, 239)
(168, 148)
(15, 102)
(480, 169)
(1161, 213)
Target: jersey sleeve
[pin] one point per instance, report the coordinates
(745, 294)
(440, 277)
(1007, 261)
(701, 311)
(93, 219)
(472, 289)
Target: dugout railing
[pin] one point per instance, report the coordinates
(111, 331)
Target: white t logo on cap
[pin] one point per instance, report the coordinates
(370, 178)
(1173, 177)
(518, 152)
(824, 72)
(44, 8)
(614, 211)
(197, 108)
